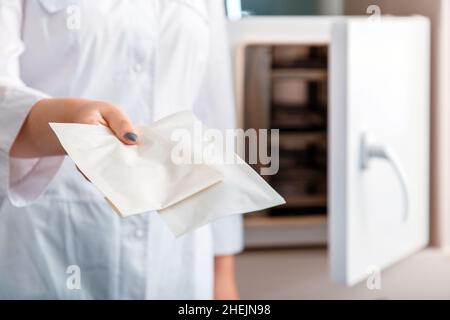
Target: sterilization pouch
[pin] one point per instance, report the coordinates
(149, 176)
(133, 179)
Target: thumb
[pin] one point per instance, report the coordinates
(119, 123)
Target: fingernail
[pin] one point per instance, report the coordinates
(131, 136)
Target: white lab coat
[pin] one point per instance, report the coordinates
(152, 58)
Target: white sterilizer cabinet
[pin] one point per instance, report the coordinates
(351, 99)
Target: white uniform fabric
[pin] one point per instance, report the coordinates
(152, 58)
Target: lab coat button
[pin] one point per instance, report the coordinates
(137, 68)
(139, 233)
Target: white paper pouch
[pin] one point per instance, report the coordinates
(242, 190)
(134, 179)
(149, 176)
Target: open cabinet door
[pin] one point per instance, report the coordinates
(379, 144)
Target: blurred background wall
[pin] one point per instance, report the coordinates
(280, 7)
(291, 7)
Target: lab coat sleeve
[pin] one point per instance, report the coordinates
(21, 180)
(215, 107)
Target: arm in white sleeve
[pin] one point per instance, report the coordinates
(215, 107)
(22, 180)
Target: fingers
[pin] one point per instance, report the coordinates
(119, 123)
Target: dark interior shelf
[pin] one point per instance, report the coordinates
(286, 89)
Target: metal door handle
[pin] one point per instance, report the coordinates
(370, 151)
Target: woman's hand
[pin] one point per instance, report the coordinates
(225, 287)
(36, 139)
